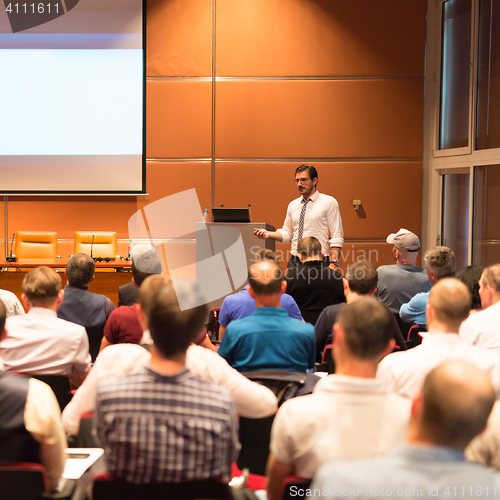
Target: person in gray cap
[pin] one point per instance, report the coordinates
(398, 283)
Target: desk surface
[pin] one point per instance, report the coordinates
(61, 263)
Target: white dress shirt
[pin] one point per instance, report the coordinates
(40, 343)
(344, 418)
(11, 302)
(405, 372)
(252, 400)
(482, 329)
(322, 221)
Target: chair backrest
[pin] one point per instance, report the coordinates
(213, 319)
(104, 243)
(414, 338)
(327, 358)
(300, 485)
(106, 488)
(23, 481)
(36, 244)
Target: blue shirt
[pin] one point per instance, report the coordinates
(240, 305)
(414, 311)
(410, 471)
(269, 340)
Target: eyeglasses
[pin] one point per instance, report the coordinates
(302, 181)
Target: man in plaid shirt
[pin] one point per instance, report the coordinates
(164, 424)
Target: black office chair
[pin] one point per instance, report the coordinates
(106, 487)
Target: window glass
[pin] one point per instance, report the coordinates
(455, 74)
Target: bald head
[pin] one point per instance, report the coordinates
(265, 278)
(454, 405)
(449, 304)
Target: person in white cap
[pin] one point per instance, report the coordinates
(398, 283)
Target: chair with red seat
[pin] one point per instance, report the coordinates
(106, 487)
(29, 481)
(294, 487)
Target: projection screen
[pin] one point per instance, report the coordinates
(72, 97)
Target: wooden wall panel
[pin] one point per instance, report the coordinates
(179, 38)
(69, 214)
(387, 191)
(320, 37)
(322, 119)
(179, 118)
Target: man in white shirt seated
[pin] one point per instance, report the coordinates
(451, 409)
(30, 422)
(252, 400)
(40, 343)
(350, 414)
(483, 329)
(449, 304)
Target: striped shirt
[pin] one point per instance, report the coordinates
(157, 428)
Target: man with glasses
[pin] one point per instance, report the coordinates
(312, 214)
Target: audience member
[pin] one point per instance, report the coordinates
(123, 324)
(268, 339)
(452, 408)
(30, 421)
(448, 305)
(361, 280)
(128, 294)
(11, 302)
(312, 283)
(40, 343)
(81, 306)
(350, 414)
(483, 329)
(399, 282)
(174, 425)
(252, 400)
(439, 263)
(240, 305)
(470, 277)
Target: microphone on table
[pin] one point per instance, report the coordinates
(92, 246)
(11, 258)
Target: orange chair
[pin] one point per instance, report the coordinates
(99, 243)
(36, 245)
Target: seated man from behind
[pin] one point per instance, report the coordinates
(81, 306)
(252, 400)
(40, 343)
(240, 305)
(30, 422)
(449, 304)
(163, 423)
(483, 328)
(439, 263)
(350, 414)
(360, 281)
(312, 283)
(268, 339)
(128, 294)
(398, 283)
(123, 324)
(451, 409)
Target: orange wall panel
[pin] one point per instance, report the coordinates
(322, 119)
(179, 38)
(320, 37)
(179, 118)
(390, 192)
(69, 214)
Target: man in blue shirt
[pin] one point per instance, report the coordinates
(268, 339)
(452, 408)
(240, 305)
(439, 263)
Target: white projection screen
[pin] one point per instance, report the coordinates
(72, 97)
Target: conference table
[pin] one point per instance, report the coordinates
(108, 277)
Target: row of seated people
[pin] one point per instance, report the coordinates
(266, 286)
